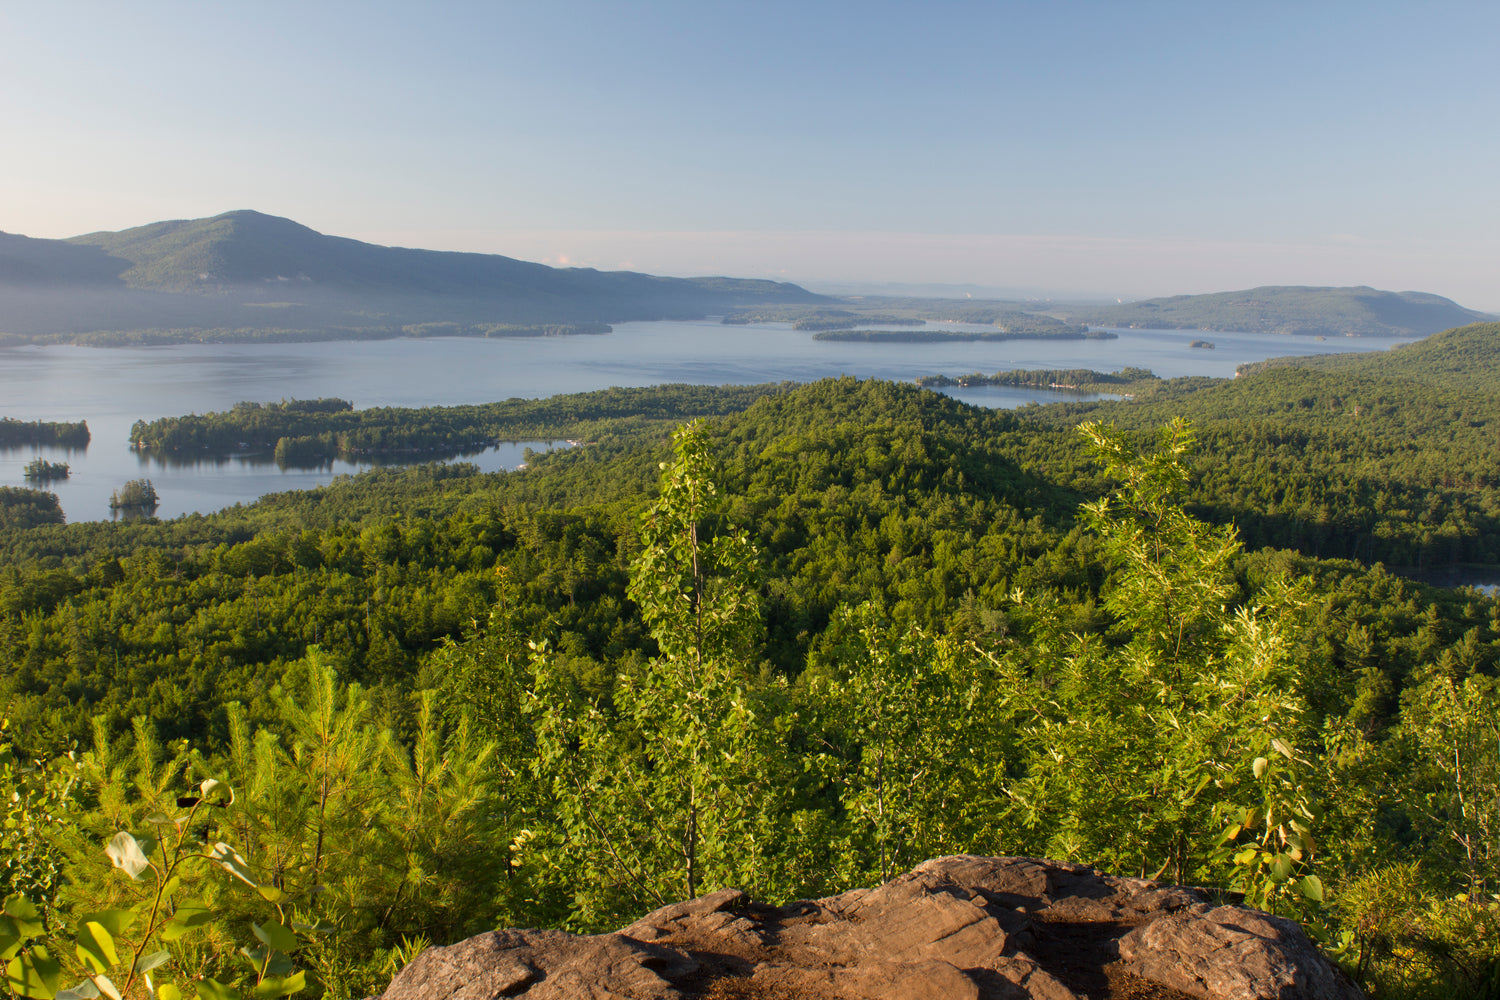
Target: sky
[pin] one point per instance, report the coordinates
(1057, 147)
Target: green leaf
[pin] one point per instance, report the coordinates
(96, 947)
(277, 936)
(273, 962)
(1311, 888)
(24, 913)
(126, 854)
(1259, 767)
(166, 991)
(33, 974)
(271, 894)
(212, 989)
(272, 987)
(188, 917)
(146, 963)
(1281, 869)
(1282, 749)
(117, 922)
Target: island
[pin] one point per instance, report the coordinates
(39, 470)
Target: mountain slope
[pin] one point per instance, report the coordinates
(1293, 309)
(31, 263)
(244, 275)
(250, 248)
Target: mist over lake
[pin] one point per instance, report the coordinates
(113, 388)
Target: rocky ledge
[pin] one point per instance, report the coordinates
(956, 928)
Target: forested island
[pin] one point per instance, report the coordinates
(314, 432)
(21, 433)
(39, 470)
(1081, 379)
(938, 336)
(1160, 635)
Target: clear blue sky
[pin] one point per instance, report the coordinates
(1123, 148)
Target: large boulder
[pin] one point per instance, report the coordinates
(956, 928)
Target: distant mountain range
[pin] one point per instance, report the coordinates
(245, 271)
(1291, 309)
(248, 276)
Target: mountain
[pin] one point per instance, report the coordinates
(245, 272)
(1292, 309)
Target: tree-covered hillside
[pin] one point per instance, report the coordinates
(796, 648)
(1329, 312)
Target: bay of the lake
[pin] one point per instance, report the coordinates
(112, 388)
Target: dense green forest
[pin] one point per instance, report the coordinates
(20, 433)
(796, 647)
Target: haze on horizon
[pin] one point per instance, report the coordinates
(1079, 148)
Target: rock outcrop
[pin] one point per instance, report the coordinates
(956, 928)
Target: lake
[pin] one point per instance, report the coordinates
(112, 388)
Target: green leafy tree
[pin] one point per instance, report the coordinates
(919, 745)
(669, 791)
(1131, 747)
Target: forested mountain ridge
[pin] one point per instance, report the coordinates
(1291, 309)
(245, 275)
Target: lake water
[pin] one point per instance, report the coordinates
(112, 388)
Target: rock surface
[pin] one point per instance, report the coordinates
(956, 928)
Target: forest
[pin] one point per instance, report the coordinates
(313, 432)
(20, 433)
(789, 638)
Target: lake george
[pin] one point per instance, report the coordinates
(112, 388)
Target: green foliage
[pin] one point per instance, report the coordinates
(1415, 942)
(302, 433)
(136, 495)
(1271, 842)
(913, 740)
(1453, 729)
(1381, 457)
(24, 508)
(36, 796)
(1167, 723)
(115, 948)
(448, 700)
(39, 470)
(671, 791)
(18, 433)
(1176, 581)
